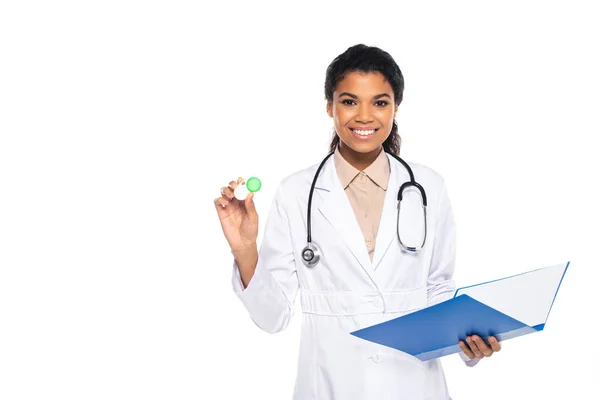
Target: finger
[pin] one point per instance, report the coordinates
(483, 347)
(496, 346)
(466, 350)
(220, 203)
(474, 347)
(227, 192)
(234, 184)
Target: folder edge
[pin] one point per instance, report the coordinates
(556, 293)
(512, 276)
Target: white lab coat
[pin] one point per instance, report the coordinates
(345, 291)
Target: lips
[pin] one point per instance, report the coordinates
(363, 134)
(364, 131)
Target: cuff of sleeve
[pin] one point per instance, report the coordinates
(468, 363)
(263, 298)
(255, 285)
(236, 279)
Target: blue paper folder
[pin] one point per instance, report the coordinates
(435, 331)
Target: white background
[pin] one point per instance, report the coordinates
(121, 120)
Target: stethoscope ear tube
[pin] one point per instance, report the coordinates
(415, 184)
(405, 247)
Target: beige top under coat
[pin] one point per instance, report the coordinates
(366, 193)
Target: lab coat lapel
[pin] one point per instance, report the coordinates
(336, 208)
(387, 226)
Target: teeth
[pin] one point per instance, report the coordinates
(364, 133)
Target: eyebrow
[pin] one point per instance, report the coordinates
(374, 97)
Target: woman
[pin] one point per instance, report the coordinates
(364, 276)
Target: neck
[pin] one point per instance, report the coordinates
(360, 161)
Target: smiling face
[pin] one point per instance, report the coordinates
(363, 112)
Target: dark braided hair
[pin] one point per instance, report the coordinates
(362, 58)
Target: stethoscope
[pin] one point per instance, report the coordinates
(311, 253)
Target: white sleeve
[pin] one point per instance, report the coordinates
(468, 363)
(271, 293)
(440, 282)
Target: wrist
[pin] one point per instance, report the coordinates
(244, 249)
(246, 259)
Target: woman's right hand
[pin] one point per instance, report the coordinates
(239, 219)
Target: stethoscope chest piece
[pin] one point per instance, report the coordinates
(311, 254)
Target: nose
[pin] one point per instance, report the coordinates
(364, 113)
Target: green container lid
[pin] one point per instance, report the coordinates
(253, 184)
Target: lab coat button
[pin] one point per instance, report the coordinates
(377, 358)
(378, 302)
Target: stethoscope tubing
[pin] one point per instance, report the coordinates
(309, 255)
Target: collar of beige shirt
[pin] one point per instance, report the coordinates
(378, 171)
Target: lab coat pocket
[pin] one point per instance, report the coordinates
(341, 360)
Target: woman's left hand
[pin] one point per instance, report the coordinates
(476, 347)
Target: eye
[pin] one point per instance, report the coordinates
(382, 103)
(347, 100)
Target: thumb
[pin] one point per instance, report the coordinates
(250, 207)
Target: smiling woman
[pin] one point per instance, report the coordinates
(362, 275)
(364, 87)
(363, 112)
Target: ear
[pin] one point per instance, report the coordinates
(329, 109)
(395, 110)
